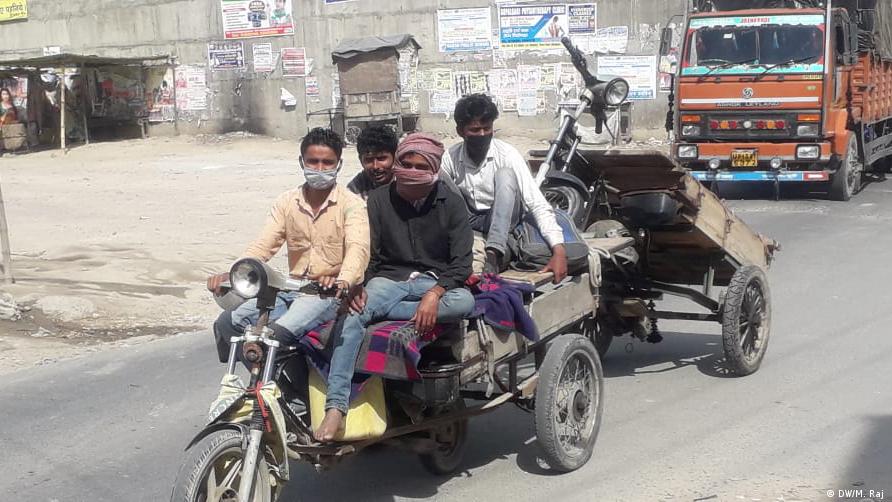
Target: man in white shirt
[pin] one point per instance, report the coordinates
(496, 183)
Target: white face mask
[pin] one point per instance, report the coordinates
(320, 180)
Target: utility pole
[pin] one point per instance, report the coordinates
(4, 243)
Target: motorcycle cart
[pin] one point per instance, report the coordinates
(254, 429)
(687, 244)
(371, 76)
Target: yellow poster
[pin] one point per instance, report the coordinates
(13, 9)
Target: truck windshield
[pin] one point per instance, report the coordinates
(756, 43)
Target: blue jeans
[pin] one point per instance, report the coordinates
(504, 215)
(387, 300)
(293, 315)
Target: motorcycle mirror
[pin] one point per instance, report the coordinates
(665, 41)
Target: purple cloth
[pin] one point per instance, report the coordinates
(500, 303)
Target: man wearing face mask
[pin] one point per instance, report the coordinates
(420, 255)
(326, 230)
(498, 187)
(376, 146)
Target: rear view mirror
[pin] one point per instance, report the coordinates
(665, 41)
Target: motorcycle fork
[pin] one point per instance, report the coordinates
(258, 422)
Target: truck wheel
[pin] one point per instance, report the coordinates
(569, 402)
(746, 320)
(452, 439)
(846, 180)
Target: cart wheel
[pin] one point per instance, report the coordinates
(452, 439)
(352, 134)
(569, 402)
(746, 320)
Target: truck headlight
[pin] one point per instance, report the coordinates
(688, 152)
(690, 130)
(808, 152)
(247, 277)
(808, 130)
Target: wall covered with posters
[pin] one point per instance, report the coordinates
(264, 65)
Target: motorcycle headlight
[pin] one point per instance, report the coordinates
(611, 93)
(248, 277)
(617, 92)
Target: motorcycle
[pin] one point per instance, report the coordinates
(253, 430)
(564, 175)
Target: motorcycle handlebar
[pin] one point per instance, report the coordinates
(579, 62)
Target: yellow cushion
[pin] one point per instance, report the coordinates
(367, 417)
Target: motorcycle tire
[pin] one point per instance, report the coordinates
(218, 454)
(568, 199)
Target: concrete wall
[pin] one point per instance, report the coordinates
(245, 100)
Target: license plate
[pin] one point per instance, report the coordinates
(744, 158)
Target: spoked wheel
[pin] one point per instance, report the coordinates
(847, 180)
(569, 402)
(212, 469)
(352, 134)
(746, 320)
(567, 199)
(451, 440)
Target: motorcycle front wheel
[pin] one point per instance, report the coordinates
(211, 471)
(568, 199)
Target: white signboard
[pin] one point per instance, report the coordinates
(640, 71)
(464, 29)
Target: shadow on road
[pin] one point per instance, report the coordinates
(676, 351)
(869, 467)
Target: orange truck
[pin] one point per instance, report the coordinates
(785, 91)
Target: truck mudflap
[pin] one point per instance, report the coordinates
(783, 176)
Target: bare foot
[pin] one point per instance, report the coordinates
(331, 424)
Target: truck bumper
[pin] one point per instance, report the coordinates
(784, 176)
(788, 166)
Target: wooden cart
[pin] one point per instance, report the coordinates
(371, 71)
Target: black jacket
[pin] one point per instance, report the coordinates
(436, 238)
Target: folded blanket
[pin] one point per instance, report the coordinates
(390, 349)
(500, 303)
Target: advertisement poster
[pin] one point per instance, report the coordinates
(294, 62)
(440, 79)
(441, 102)
(470, 82)
(640, 71)
(548, 77)
(330, 2)
(531, 26)
(226, 55)
(665, 82)
(11, 10)
(568, 83)
(192, 92)
(312, 86)
(612, 39)
(335, 89)
(256, 18)
(263, 58)
(527, 103)
(528, 78)
(583, 18)
(464, 29)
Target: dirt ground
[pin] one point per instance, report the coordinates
(112, 242)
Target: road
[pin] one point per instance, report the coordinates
(816, 417)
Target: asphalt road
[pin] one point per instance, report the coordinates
(816, 417)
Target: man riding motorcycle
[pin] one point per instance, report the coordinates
(326, 230)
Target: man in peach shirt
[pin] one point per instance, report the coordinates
(326, 230)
